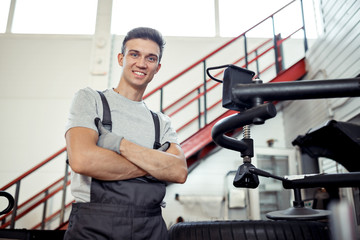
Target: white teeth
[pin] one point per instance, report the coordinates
(139, 73)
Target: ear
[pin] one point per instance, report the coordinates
(158, 67)
(120, 59)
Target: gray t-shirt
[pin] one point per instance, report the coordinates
(130, 119)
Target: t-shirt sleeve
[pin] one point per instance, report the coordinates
(168, 132)
(83, 110)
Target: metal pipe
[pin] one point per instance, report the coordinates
(44, 211)
(304, 29)
(275, 47)
(246, 52)
(161, 99)
(10, 16)
(205, 91)
(63, 198)
(199, 109)
(325, 180)
(13, 215)
(257, 64)
(262, 112)
(297, 90)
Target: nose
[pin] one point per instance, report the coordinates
(141, 63)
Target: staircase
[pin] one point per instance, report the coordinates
(195, 146)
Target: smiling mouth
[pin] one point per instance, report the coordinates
(139, 73)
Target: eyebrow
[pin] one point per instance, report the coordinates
(148, 55)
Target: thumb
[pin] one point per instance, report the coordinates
(100, 127)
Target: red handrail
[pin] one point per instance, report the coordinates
(33, 197)
(52, 216)
(218, 102)
(35, 205)
(202, 84)
(251, 61)
(14, 215)
(27, 173)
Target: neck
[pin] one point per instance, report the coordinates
(132, 95)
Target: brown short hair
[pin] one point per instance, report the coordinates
(145, 33)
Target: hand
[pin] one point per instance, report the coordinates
(164, 147)
(107, 139)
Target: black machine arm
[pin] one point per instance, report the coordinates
(256, 115)
(305, 89)
(314, 180)
(242, 93)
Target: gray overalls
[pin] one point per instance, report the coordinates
(129, 209)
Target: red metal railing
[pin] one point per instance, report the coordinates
(201, 94)
(20, 210)
(202, 90)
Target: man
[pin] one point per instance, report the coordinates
(117, 177)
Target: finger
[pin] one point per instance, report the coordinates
(100, 127)
(96, 120)
(164, 147)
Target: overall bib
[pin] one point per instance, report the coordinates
(128, 209)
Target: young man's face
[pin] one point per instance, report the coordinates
(140, 62)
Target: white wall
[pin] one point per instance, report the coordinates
(38, 76)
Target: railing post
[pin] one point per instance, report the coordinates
(257, 64)
(63, 199)
(280, 53)
(10, 16)
(161, 99)
(44, 211)
(16, 198)
(303, 20)
(199, 109)
(275, 47)
(205, 90)
(246, 52)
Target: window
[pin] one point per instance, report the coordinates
(170, 17)
(4, 12)
(238, 16)
(55, 16)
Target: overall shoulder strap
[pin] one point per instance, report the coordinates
(106, 115)
(157, 143)
(106, 121)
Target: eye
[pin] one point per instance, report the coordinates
(152, 59)
(135, 55)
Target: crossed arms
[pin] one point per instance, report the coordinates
(87, 158)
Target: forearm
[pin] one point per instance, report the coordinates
(106, 165)
(86, 158)
(166, 166)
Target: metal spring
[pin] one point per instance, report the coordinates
(246, 131)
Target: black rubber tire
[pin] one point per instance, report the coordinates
(250, 230)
